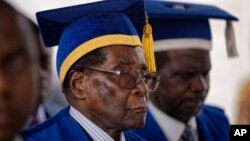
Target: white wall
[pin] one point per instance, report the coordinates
(30, 7)
(227, 75)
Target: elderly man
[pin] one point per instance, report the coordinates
(183, 43)
(21, 59)
(102, 69)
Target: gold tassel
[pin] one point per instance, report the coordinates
(148, 46)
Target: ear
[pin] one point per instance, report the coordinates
(78, 85)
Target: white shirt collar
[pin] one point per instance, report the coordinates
(171, 127)
(96, 133)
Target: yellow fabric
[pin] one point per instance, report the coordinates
(103, 41)
(148, 47)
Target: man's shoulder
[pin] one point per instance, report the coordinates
(48, 127)
(214, 111)
(213, 124)
(213, 117)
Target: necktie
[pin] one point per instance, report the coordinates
(188, 134)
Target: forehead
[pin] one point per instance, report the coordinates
(12, 37)
(9, 24)
(125, 55)
(189, 59)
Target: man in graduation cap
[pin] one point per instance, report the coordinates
(182, 43)
(102, 69)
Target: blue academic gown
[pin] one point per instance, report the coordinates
(62, 127)
(212, 125)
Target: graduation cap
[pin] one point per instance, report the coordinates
(186, 26)
(81, 29)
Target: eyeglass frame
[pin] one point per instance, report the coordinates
(118, 73)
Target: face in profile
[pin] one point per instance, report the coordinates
(108, 102)
(185, 82)
(18, 73)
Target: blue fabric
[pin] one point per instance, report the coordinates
(63, 127)
(212, 125)
(177, 28)
(171, 20)
(170, 10)
(53, 22)
(89, 27)
(151, 130)
(72, 26)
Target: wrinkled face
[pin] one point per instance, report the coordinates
(111, 105)
(185, 83)
(18, 73)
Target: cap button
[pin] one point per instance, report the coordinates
(178, 7)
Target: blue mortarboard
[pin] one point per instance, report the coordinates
(185, 25)
(81, 29)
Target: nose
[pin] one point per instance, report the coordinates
(141, 89)
(200, 83)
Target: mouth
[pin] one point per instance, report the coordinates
(4, 119)
(5, 116)
(140, 109)
(191, 102)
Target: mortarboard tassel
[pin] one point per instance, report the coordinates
(230, 41)
(148, 46)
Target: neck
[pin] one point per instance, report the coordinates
(179, 117)
(114, 134)
(111, 130)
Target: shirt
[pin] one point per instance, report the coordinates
(171, 127)
(96, 133)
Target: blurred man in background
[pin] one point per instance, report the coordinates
(23, 67)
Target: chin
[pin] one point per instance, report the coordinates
(191, 113)
(136, 122)
(137, 125)
(6, 135)
(140, 124)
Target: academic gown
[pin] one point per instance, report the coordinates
(212, 125)
(62, 127)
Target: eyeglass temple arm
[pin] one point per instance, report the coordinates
(105, 70)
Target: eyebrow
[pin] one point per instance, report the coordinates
(124, 62)
(18, 51)
(128, 62)
(121, 62)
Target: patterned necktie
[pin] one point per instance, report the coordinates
(188, 134)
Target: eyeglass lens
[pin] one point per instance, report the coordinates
(129, 79)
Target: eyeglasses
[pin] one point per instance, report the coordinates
(130, 79)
